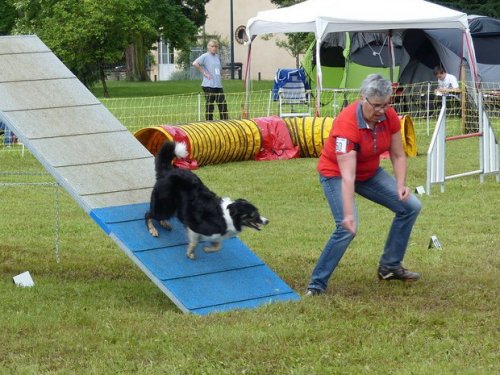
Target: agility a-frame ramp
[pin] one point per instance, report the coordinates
(110, 175)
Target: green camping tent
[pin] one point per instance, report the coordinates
(347, 58)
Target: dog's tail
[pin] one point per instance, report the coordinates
(167, 153)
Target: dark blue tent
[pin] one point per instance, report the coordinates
(428, 48)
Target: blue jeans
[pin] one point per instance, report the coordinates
(381, 189)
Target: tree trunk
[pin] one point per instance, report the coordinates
(135, 56)
(104, 84)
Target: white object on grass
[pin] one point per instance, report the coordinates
(24, 279)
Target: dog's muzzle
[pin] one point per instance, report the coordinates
(258, 224)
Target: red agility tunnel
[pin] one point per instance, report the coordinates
(276, 141)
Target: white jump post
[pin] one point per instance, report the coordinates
(488, 150)
(436, 152)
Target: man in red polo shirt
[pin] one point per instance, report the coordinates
(350, 163)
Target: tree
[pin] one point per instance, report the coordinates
(178, 22)
(489, 8)
(185, 57)
(285, 3)
(89, 35)
(86, 35)
(194, 10)
(7, 16)
(296, 44)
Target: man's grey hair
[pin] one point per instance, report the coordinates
(214, 42)
(376, 85)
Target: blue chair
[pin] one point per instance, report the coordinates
(292, 92)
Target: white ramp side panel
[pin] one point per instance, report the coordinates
(66, 127)
(110, 175)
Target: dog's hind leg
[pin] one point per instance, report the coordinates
(216, 246)
(165, 224)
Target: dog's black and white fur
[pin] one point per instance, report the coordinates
(207, 217)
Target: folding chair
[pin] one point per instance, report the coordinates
(292, 93)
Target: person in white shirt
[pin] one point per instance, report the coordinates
(209, 66)
(449, 88)
(446, 82)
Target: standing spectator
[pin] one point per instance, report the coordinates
(349, 164)
(210, 67)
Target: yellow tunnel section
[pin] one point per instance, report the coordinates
(215, 142)
(209, 142)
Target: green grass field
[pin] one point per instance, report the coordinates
(125, 89)
(95, 312)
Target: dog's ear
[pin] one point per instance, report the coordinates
(242, 206)
(240, 200)
(235, 213)
(232, 207)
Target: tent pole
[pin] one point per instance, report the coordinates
(463, 98)
(391, 57)
(471, 54)
(319, 79)
(246, 110)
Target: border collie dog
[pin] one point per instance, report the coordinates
(206, 217)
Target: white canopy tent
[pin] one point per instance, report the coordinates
(325, 16)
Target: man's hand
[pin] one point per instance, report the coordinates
(403, 192)
(349, 224)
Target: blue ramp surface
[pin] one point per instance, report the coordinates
(110, 175)
(232, 278)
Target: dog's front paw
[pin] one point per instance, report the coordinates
(216, 246)
(153, 232)
(191, 256)
(151, 228)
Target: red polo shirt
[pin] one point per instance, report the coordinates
(353, 133)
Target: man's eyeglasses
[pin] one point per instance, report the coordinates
(378, 107)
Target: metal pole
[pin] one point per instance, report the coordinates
(199, 106)
(231, 37)
(427, 105)
(392, 60)
(159, 56)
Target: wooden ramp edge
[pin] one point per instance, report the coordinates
(110, 175)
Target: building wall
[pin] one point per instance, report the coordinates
(267, 57)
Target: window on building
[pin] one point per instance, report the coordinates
(166, 53)
(240, 34)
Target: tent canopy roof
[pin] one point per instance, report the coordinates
(326, 16)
